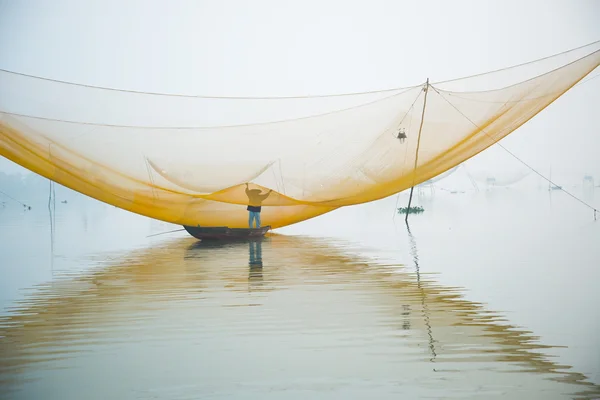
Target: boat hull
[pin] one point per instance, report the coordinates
(225, 233)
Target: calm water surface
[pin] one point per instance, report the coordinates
(488, 295)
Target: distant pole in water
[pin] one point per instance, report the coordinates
(426, 89)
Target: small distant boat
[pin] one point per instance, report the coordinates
(225, 233)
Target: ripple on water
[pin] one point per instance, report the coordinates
(286, 317)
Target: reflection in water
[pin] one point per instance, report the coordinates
(255, 264)
(178, 321)
(415, 255)
(203, 249)
(255, 250)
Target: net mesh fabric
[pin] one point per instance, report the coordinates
(187, 159)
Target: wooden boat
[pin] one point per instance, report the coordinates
(225, 233)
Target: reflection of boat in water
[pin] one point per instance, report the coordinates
(226, 233)
(205, 306)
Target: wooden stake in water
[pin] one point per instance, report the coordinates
(426, 89)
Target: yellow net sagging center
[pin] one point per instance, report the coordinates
(187, 159)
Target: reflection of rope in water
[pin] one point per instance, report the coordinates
(413, 248)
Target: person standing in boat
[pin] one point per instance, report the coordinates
(255, 199)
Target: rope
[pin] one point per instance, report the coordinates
(12, 198)
(164, 233)
(406, 147)
(408, 130)
(282, 97)
(280, 121)
(275, 180)
(520, 100)
(281, 177)
(516, 157)
(517, 65)
(410, 110)
(316, 96)
(209, 127)
(153, 184)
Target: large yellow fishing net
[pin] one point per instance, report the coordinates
(186, 159)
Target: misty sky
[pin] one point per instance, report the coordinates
(313, 47)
